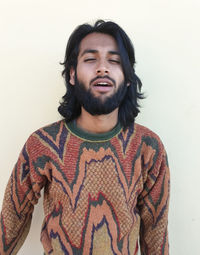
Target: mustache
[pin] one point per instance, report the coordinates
(103, 77)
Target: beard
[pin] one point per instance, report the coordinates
(95, 105)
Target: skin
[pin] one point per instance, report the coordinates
(98, 56)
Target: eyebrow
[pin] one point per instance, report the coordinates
(112, 52)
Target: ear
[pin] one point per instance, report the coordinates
(72, 76)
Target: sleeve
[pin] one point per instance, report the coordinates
(153, 204)
(21, 194)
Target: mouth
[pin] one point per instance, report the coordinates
(102, 85)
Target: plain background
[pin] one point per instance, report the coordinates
(166, 37)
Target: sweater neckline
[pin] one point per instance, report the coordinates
(84, 135)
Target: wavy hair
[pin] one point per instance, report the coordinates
(70, 108)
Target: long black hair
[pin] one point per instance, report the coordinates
(70, 108)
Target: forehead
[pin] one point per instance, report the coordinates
(98, 41)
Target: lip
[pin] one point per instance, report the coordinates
(102, 80)
(102, 89)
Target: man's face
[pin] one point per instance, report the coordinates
(99, 73)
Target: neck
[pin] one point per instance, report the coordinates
(98, 123)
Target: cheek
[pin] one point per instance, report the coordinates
(84, 76)
(121, 76)
(79, 73)
(83, 71)
(117, 73)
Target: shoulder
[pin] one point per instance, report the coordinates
(150, 143)
(47, 133)
(147, 136)
(144, 131)
(52, 128)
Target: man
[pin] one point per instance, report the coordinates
(105, 178)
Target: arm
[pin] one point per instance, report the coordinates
(153, 206)
(22, 193)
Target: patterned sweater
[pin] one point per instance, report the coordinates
(102, 192)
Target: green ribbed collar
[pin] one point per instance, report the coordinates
(72, 127)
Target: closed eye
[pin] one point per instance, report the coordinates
(114, 61)
(89, 59)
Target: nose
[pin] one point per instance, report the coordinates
(102, 68)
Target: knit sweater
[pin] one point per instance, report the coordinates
(102, 192)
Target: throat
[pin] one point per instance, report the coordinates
(97, 124)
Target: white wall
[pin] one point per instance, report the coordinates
(166, 38)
